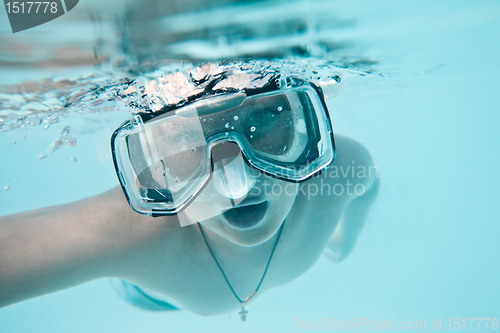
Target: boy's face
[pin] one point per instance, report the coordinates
(248, 220)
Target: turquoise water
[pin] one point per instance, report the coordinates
(428, 114)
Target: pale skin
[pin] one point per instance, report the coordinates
(55, 248)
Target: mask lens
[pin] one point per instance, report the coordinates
(268, 124)
(167, 156)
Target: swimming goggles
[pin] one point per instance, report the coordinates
(164, 159)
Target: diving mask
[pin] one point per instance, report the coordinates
(164, 159)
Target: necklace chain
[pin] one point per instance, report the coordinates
(243, 312)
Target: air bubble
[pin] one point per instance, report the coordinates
(193, 150)
(280, 108)
(251, 136)
(227, 133)
(252, 129)
(232, 127)
(236, 118)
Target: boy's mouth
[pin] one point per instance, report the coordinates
(246, 216)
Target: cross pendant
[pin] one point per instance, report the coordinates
(243, 313)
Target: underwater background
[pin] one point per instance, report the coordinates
(420, 89)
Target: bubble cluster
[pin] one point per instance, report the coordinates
(65, 139)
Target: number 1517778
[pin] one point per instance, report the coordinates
(31, 7)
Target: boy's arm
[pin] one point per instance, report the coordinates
(353, 219)
(356, 166)
(54, 248)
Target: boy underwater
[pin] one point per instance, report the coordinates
(233, 191)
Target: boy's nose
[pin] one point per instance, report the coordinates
(232, 176)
